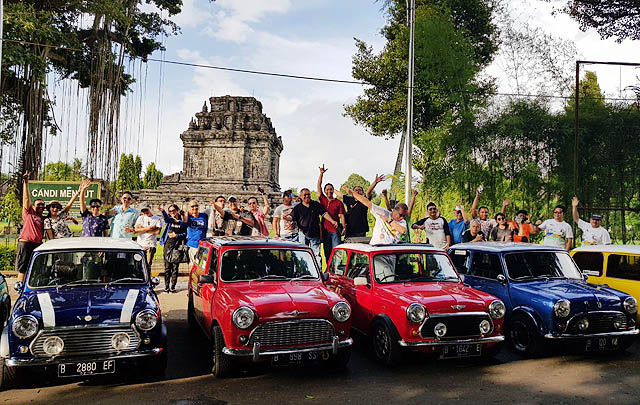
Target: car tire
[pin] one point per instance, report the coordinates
(7, 376)
(191, 318)
(385, 347)
(523, 336)
(339, 361)
(222, 363)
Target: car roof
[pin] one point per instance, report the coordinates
(365, 247)
(634, 249)
(102, 243)
(253, 241)
(504, 247)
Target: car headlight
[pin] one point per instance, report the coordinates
(416, 313)
(120, 341)
(243, 317)
(630, 305)
(562, 308)
(25, 326)
(497, 309)
(53, 345)
(146, 319)
(341, 311)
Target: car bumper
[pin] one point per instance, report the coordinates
(255, 352)
(138, 355)
(490, 339)
(557, 336)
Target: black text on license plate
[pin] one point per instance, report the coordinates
(295, 358)
(602, 344)
(456, 351)
(86, 368)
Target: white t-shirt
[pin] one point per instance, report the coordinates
(486, 225)
(556, 233)
(382, 231)
(436, 231)
(593, 236)
(286, 227)
(148, 240)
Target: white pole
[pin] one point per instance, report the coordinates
(1, 37)
(408, 142)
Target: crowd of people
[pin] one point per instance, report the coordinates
(338, 215)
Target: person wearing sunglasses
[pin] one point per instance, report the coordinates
(502, 232)
(556, 231)
(93, 222)
(197, 223)
(173, 237)
(32, 230)
(389, 226)
(435, 227)
(482, 214)
(259, 214)
(125, 217)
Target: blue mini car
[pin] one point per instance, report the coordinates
(547, 297)
(87, 307)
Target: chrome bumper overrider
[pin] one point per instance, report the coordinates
(579, 336)
(13, 362)
(255, 352)
(491, 339)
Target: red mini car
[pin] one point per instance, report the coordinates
(264, 300)
(411, 297)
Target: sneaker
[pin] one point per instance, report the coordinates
(166, 289)
(173, 290)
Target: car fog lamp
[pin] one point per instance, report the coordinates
(23, 349)
(416, 313)
(440, 329)
(53, 345)
(243, 339)
(243, 317)
(630, 305)
(146, 319)
(341, 311)
(497, 309)
(25, 326)
(120, 341)
(562, 308)
(146, 341)
(485, 327)
(583, 324)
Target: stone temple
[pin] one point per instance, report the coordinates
(230, 148)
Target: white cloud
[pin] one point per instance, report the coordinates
(192, 14)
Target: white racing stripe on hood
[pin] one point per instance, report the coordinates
(48, 315)
(127, 307)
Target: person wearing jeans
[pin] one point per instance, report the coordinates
(335, 208)
(173, 236)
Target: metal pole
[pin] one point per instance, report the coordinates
(409, 137)
(575, 138)
(1, 38)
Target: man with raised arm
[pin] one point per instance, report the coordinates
(93, 222)
(32, 229)
(482, 214)
(335, 208)
(390, 225)
(357, 221)
(593, 233)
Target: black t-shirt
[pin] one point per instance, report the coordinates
(357, 221)
(308, 218)
(467, 237)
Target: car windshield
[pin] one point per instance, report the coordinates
(531, 265)
(413, 266)
(87, 267)
(267, 264)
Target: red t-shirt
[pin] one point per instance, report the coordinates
(32, 227)
(526, 231)
(334, 208)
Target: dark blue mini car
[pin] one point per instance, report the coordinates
(87, 307)
(547, 297)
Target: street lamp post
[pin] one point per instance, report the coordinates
(408, 142)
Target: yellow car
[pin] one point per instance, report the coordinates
(617, 266)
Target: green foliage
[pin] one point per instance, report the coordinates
(10, 207)
(129, 172)
(61, 171)
(152, 176)
(357, 180)
(7, 257)
(619, 19)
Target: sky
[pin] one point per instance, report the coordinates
(301, 37)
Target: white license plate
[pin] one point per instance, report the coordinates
(86, 368)
(463, 350)
(295, 358)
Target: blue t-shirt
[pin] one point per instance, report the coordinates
(196, 229)
(122, 220)
(457, 229)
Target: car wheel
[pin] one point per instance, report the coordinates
(222, 364)
(7, 376)
(191, 318)
(385, 347)
(523, 336)
(339, 361)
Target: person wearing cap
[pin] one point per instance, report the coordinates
(593, 233)
(55, 224)
(283, 225)
(147, 227)
(458, 225)
(235, 219)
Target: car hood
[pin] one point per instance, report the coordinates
(85, 305)
(280, 300)
(440, 297)
(583, 297)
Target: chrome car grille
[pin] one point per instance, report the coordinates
(291, 333)
(599, 322)
(85, 340)
(457, 326)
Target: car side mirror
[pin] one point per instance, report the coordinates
(155, 281)
(501, 279)
(18, 286)
(585, 276)
(360, 281)
(325, 277)
(206, 279)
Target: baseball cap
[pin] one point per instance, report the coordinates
(232, 198)
(596, 217)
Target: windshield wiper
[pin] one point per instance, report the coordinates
(124, 279)
(531, 278)
(79, 282)
(305, 277)
(271, 276)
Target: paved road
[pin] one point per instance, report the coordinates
(609, 378)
